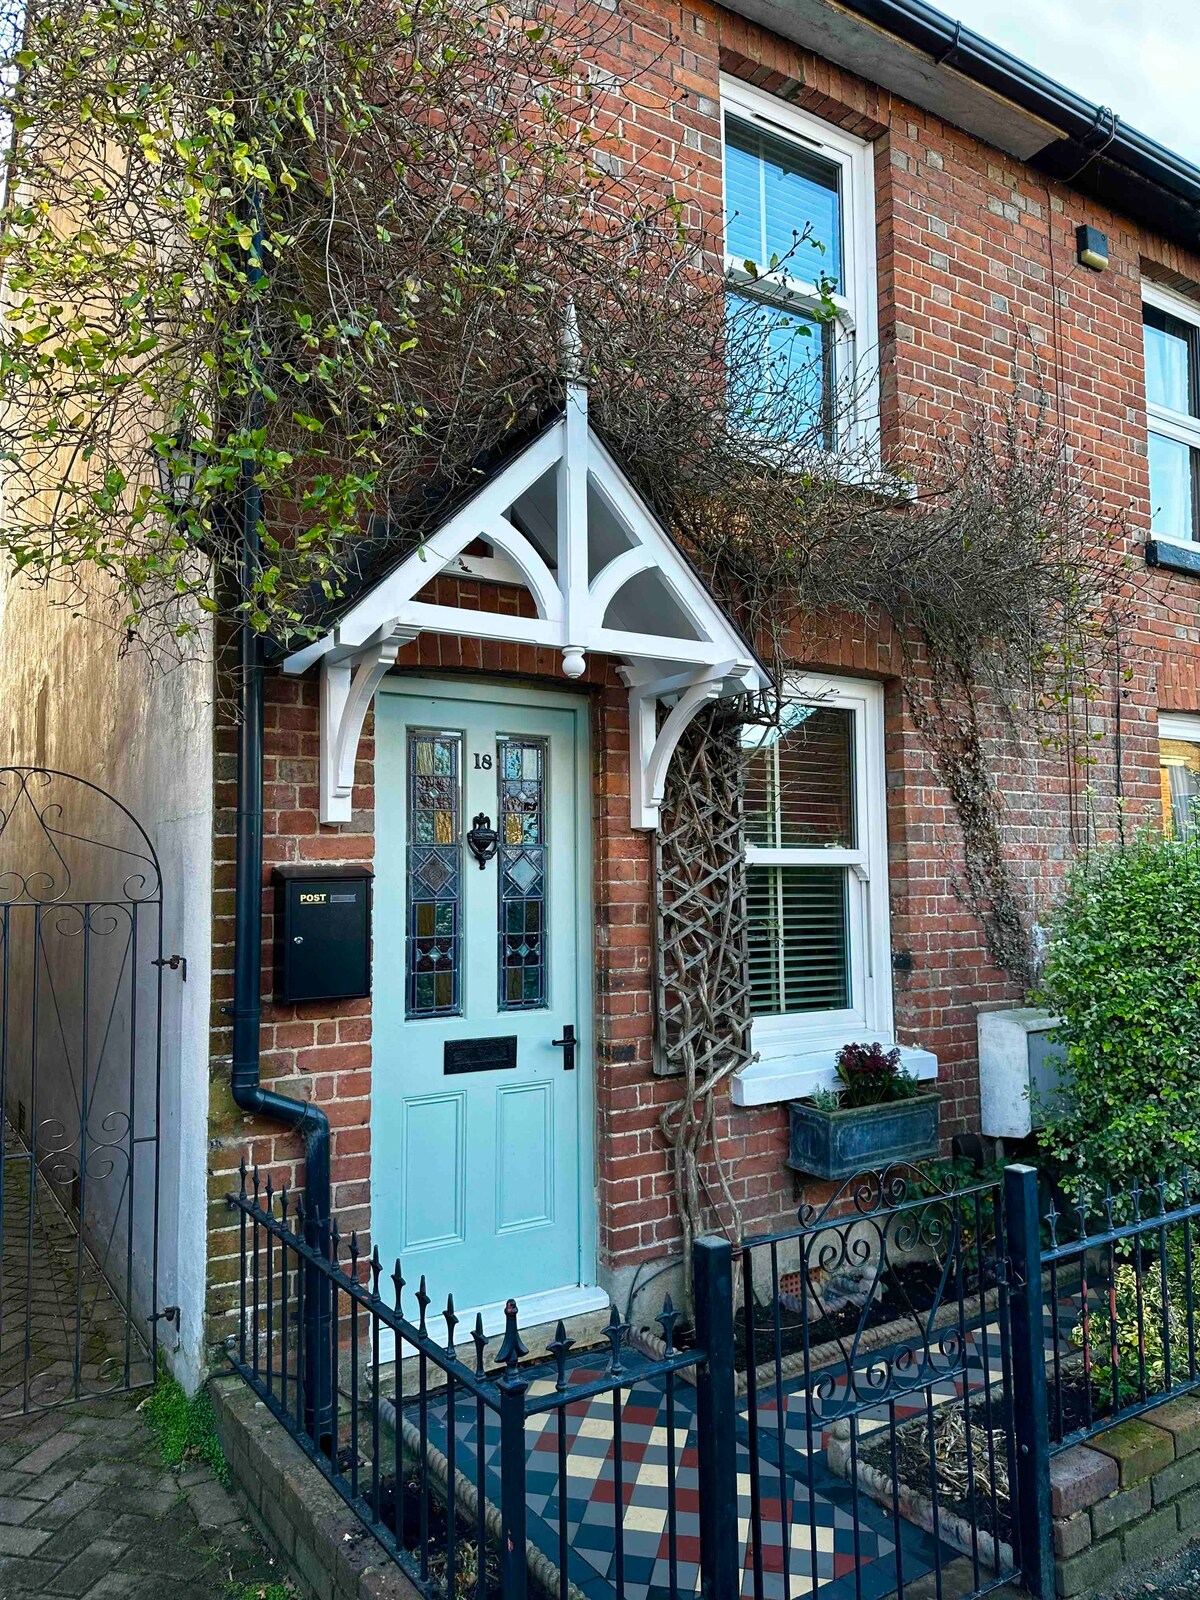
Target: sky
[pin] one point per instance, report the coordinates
(1140, 57)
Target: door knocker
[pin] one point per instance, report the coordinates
(482, 839)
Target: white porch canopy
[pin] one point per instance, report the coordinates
(562, 519)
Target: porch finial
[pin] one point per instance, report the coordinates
(572, 347)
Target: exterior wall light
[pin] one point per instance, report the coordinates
(1091, 248)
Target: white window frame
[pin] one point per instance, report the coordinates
(1177, 425)
(1181, 725)
(856, 330)
(796, 1054)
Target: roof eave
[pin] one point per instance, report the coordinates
(924, 56)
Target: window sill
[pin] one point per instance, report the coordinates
(1174, 556)
(765, 1082)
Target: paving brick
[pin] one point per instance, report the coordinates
(1118, 1509)
(87, 1568)
(1072, 1534)
(21, 1541)
(47, 1453)
(1087, 1572)
(1080, 1477)
(1181, 1419)
(114, 1523)
(14, 1511)
(1151, 1537)
(1173, 1480)
(1138, 1448)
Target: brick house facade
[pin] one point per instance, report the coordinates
(970, 243)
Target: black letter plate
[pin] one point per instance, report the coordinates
(479, 1055)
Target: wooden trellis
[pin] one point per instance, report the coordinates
(703, 1016)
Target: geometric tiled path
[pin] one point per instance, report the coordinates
(646, 1439)
(840, 1548)
(88, 1511)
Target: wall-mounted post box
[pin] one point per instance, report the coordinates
(322, 932)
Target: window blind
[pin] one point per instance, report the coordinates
(775, 190)
(797, 939)
(800, 781)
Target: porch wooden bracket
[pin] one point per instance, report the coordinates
(348, 685)
(652, 746)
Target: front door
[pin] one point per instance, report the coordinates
(481, 1117)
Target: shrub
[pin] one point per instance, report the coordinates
(1150, 1309)
(1123, 972)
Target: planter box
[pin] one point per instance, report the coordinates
(843, 1143)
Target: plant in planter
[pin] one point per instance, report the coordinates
(878, 1115)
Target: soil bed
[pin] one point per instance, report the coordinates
(409, 1536)
(967, 1494)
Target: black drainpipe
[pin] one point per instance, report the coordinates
(248, 1093)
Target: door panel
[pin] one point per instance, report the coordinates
(525, 1157)
(478, 1130)
(435, 1166)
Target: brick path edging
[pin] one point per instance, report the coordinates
(330, 1554)
(1126, 1497)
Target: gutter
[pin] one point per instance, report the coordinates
(1097, 154)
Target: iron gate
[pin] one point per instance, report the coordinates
(879, 1393)
(81, 974)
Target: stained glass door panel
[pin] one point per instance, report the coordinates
(477, 1127)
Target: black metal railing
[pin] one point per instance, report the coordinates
(879, 1412)
(432, 1451)
(1119, 1290)
(877, 1341)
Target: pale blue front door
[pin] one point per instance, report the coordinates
(481, 1121)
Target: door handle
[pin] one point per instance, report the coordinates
(567, 1044)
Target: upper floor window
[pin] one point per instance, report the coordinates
(799, 235)
(1172, 339)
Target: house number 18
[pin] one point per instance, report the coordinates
(483, 763)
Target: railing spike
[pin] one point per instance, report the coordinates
(242, 1174)
(559, 1347)
(615, 1334)
(451, 1323)
(399, 1281)
(477, 1336)
(423, 1299)
(666, 1319)
(283, 1205)
(376, 1270)
(255, 1179)
(512, 1349)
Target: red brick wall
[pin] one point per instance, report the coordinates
(972, 247)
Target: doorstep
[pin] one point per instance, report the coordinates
(582, 1309)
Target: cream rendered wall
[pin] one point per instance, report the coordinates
(69, 701)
